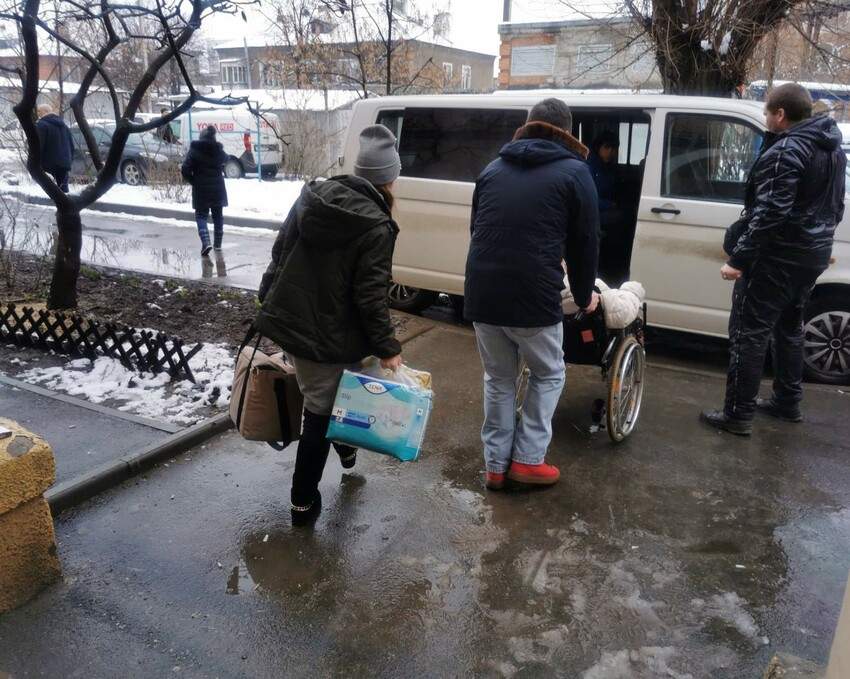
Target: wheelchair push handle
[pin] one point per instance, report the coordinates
(581, 313)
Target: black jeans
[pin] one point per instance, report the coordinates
(311, 457)
(767, 302)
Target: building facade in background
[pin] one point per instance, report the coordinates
(583, 53)
(418, 65)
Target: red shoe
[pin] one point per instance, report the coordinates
(539, 474)
(495, 481)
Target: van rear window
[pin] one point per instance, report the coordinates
(454, 144)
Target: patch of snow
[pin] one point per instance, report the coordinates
(724, 44)
(646, 661)
(246, 197)
(146, 394)
(728, 606)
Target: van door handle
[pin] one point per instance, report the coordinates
(666, 210)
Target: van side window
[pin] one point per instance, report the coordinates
(450, 143)
(708, 158)
(392, 121)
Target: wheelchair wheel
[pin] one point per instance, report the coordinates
(625, 388)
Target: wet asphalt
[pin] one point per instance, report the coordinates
(682, 552)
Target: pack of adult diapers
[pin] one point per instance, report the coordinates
(380, 415)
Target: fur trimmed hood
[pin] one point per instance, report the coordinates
(541, 130)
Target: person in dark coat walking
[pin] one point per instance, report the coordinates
(533, 207)
(57, 146)
(324, 297)
(202, 168)
(777, 250)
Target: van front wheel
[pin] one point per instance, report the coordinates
(826, 348)
(233, 169)
(412, 300)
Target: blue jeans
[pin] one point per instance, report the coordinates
(503, 437)
(218, 223)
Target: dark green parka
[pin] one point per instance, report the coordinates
(324, 295)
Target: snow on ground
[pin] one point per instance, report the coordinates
(246, 197)
(153, 396)
(645, 661)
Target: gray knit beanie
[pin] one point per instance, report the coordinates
(377, 161)
(207, 133)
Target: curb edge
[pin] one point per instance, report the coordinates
(85, 486)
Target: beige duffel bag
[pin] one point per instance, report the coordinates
(265, 401)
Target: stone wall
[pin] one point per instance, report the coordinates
(28, 558)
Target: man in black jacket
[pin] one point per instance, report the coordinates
(782, 243)
(57, 147)
(533, 207)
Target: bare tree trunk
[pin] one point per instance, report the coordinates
(389, 46)
(773, 53)
(66, 268)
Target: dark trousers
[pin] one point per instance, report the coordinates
(61, 177)
(218, 224)
(311, 457)
(767, 302)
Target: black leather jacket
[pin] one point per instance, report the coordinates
(794, 198)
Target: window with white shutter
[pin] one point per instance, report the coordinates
(533, 60)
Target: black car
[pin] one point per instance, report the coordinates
(145, 154)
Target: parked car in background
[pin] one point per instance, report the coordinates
(144, 154)
(845, 134)
(12, 136)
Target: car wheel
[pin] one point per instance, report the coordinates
(269, 171)
(826, 348)
(233, 169)
(131, 173)
(412, 300)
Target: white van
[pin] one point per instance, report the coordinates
(685, 161)
(247, 139)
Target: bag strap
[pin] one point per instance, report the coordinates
(251, 332)
(285, 426)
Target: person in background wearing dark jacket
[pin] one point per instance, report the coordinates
(532, 207)
(57, 146)
(614, 217)
(165, 132)
(324, 297)
(602, 159)
(777, 249)
(202, 168)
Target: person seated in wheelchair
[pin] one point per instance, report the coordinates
(614, 210)
(618, 307)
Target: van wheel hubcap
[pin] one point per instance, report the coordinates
(402, 293)
(827, 343)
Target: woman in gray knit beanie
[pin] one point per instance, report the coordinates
(325, 297)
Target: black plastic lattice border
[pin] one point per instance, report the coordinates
(75, 336)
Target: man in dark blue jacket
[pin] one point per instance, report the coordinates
(777, 249)
(533, 207)
(57, 147)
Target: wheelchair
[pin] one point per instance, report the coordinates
(621, 358)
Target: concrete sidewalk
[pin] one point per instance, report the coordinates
(681, 552)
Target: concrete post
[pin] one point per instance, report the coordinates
(28, 559)
(839, 657)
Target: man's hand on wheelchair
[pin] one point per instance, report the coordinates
(594, 302)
